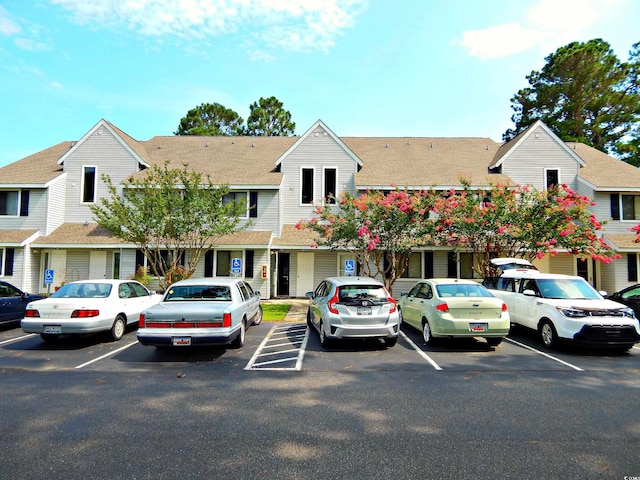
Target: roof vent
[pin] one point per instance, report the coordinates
(253, 144)
(386, 145)
(431, 145)
(206, 144)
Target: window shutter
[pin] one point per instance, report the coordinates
(253, 204)
(208, 263)
(615, 206)
(632, 267)
(8, 261)
(428, 264)
(248, 265)
(139, 260)
(24, 203)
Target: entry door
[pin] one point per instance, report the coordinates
(304, 279)
(97, 264)
(283, 274)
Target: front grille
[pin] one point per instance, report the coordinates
(607, 334)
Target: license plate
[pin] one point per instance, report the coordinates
(181, 341)
(52, 329)
(477, 327)
(364, 310)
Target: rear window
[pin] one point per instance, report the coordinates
(462, 290)
(357, 293)
(198, 292)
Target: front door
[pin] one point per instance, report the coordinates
(283, 274)
(97, 264)
(304, 279)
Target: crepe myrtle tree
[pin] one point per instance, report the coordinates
(380, 228)
(166, 212)
(518, 221)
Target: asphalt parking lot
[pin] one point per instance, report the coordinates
(291, 346)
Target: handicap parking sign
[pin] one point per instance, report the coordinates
(48, 276)
(236, 265)
(349, 267)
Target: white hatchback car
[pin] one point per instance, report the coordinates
(89, 306)
(565, 307)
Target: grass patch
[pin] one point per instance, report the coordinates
(274, 312)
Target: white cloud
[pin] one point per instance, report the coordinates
(284, 24)
(546, 25)
(7, 26)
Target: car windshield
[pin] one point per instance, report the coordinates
(218, 293)
(574, 288)
(462, 290)
(83, 290)
(356, 293)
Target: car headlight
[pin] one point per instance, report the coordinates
(628, 312)
(571, 312)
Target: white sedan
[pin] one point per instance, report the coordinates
(89, 306)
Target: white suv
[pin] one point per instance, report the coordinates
(564, 307)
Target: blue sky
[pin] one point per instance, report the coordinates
(366, 68)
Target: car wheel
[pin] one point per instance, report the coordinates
(257, 320)
(239, 340)
(390, 341)
(118, 328)
(548, 335)
(426, 333)
(400, 317)
(494, 342)
(324, 341)
(50, 337)
(309, 322)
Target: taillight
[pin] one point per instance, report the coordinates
(85, 313)
(31, 313)
(226, 320)
(392, 308)
(141, 321)
(443, 307)
(332, 303)
(504, 307)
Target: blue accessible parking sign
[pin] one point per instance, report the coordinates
(48, 276)
(349, 267)
(236, 266)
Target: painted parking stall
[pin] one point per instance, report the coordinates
(282, 349)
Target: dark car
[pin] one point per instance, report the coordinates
(13, 302)
(630, 297)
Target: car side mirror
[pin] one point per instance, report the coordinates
(309, 295)
(529, 293)
(404, 294)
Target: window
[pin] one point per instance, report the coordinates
(414, 269)
(9, 201)
(630, 207)
(239, 198)
(307, 186)
(330, 191)
(551, 178)
(223, 261)
(6, 261)
(164, 258)
(89, 178)
(116, 265)
(253, 204)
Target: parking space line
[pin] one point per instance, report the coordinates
(420, 352)
(106, 355)
(544, 354)
(17, 339)
(278, 333)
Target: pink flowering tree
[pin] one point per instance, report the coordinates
(381, 229)
(518, 221)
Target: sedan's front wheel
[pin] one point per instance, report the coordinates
(118, 328)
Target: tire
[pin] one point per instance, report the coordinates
(390, 341)
(400, 317)
(547, 334)
(50, 337)
(239, 340)
(118, 328)
(426, 333)
(324, 341)
(257, 320)
(494, 342)
(309, 322)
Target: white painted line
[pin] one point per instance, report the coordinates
(17, 339)
(106, 355)
(303, 349)
(279, 331)
(259, 349)
(420, 351)
(544, 354)
(270, 362)
(278, 352)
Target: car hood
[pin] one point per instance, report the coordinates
(584, 304)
